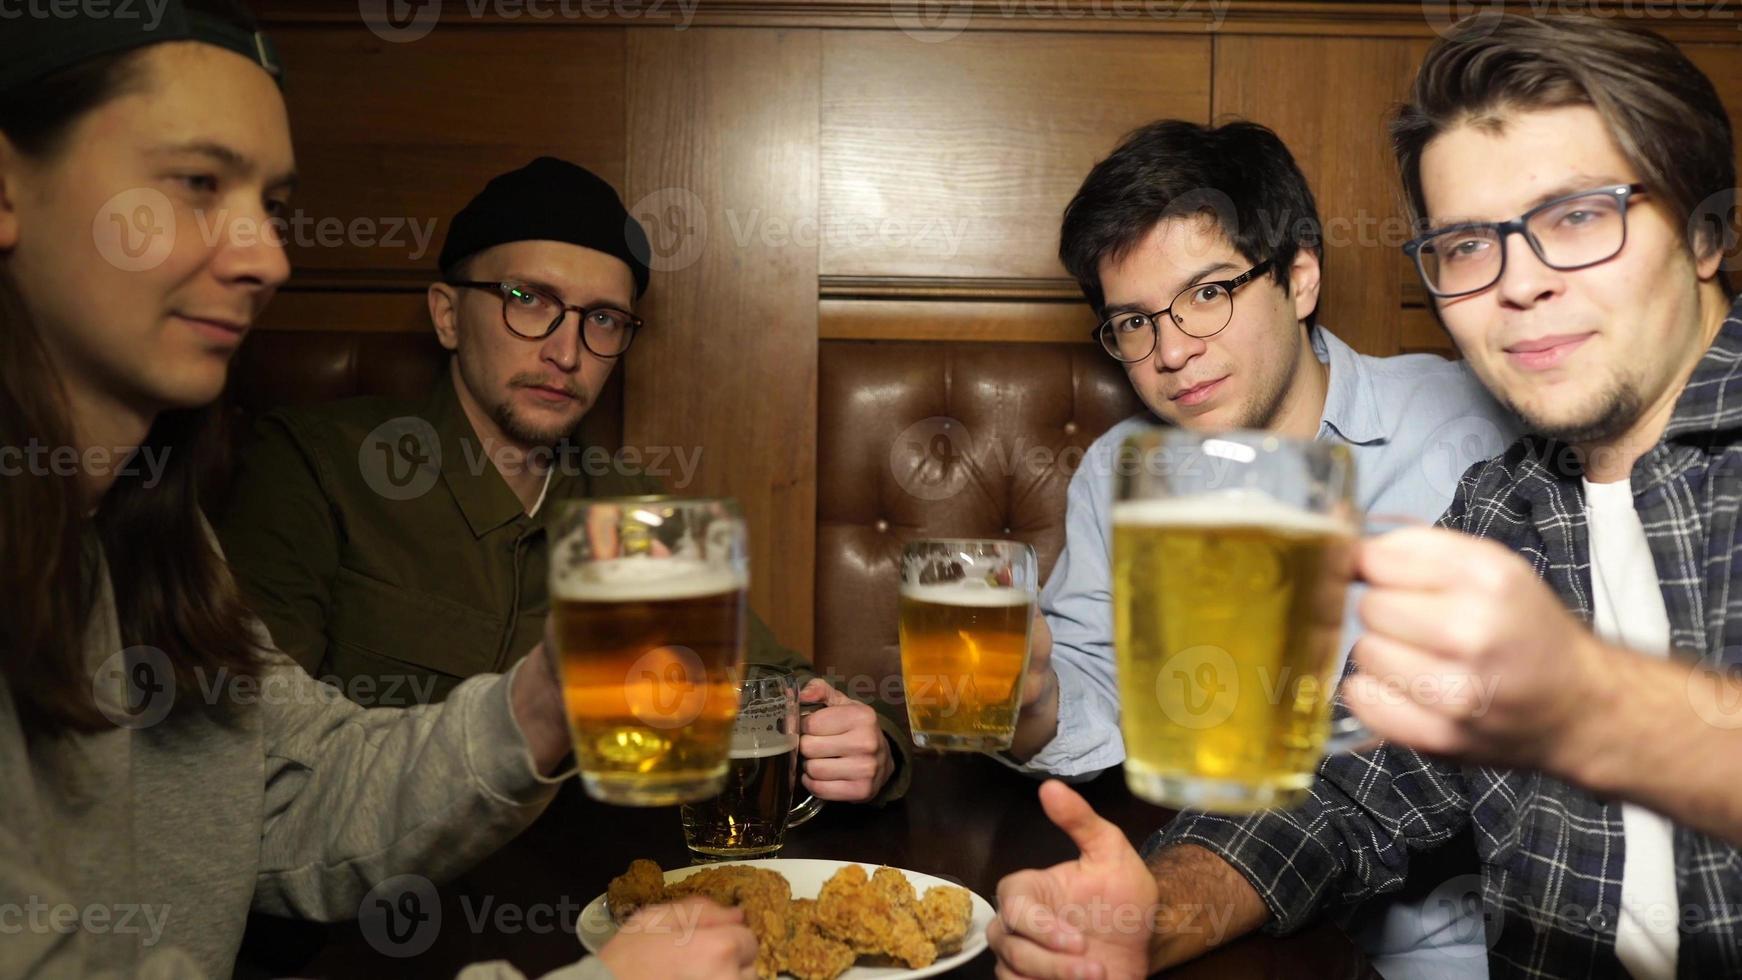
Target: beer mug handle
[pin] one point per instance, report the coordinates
(810, 806)
(1349, 734)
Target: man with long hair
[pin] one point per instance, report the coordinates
(127, 784)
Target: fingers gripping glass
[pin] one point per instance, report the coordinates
(1567, 233)
(534, 313)
(1200, 310)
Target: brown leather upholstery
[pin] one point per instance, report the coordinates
(277, 368)
(940, 440)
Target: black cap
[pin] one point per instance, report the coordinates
(36, 44)
(548, 200)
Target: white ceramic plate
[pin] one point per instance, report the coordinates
(807, 877)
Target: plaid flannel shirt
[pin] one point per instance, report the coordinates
(1550, 854)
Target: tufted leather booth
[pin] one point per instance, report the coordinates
(940, 440)
(277, 368)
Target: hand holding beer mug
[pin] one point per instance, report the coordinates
(1232, 556)
(750, 817)
(649, 599)
(966, 610)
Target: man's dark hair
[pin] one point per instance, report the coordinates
(1663, 112)
(1239, 175)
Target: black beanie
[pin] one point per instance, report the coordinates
(548, 200)
(37, 43)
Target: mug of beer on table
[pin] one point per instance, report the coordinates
(649, 599)
(750, 817)
(1232, 558)
(967, 607)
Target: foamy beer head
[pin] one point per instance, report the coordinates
(966, 611)
(642, 578)
(649, 600)
(1229, 509)
(1227, 606)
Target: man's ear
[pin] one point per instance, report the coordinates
(1303, 282)
(11, 163)
(1710, 246)
(444, 314)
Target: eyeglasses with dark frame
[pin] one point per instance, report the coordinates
(533, 313)
(1208, 309)
(1571, 232)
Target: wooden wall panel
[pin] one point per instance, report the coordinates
(957, 158)
(1328, 98)
(724, 139)
(401, 133)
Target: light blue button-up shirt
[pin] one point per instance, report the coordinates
(1413, 423)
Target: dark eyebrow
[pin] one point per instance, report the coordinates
(1571, 185)
(229, 158)
(1196, 277)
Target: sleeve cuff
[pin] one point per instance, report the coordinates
(1243, 843)
(496, 749)
(1088, 741)
(901, 775)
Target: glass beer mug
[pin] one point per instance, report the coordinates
(649, 599)
(967, 607)
(1232, 558)
(750, 817)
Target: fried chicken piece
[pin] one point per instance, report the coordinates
(765, 896)
(850, 909)
(810, 955)
(895, 886)
(801, 916)
(944, 914)
(642, 884)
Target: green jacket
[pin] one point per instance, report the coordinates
(386, 554)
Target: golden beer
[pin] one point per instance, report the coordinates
(964, 649)
(649, 658)
(1227, 610)
(749, 817)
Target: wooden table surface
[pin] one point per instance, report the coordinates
(967, 818)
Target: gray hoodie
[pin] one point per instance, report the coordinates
(138, 852)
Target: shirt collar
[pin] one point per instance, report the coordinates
(1351, 407)
(482, 495)
(1712, 400)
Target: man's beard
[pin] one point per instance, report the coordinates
(1614, 413)
(526, 432)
